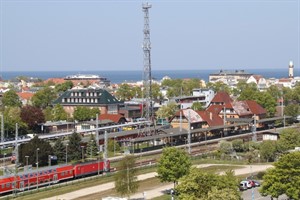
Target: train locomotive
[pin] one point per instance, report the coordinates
(50, 175)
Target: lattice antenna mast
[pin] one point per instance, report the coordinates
(148, 113)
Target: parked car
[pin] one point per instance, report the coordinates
(244, 185)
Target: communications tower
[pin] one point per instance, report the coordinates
(148, 111)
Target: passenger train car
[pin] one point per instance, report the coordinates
(49, 175)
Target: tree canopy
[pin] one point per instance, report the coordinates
(43, 97)
(11, 99)
(32, 116)
(200, 185)
(284, 178)
(173, 164)
(167, 111)
(59, 150)
(74, 148)
(82, 113)
(126, 182)
(30, 149)
(289, 139)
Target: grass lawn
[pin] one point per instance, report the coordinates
(57, 190)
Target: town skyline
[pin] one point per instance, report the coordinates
(102, 35)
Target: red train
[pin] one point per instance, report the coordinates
(49, 175)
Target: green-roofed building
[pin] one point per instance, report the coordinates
(91, 97)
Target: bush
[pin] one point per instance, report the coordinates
(260, 175)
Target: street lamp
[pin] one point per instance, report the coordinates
(37, 167)
(67, 153)
(82, 152)
(115, 145)
(92, 148)
(27, 161)
(49, 158)
(4, 162)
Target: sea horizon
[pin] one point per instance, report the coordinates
(117, 76)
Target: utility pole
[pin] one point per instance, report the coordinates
(148, 111)
(105, 152)
(97, 132)
(2, 128)
(254, 138)
(189, 133)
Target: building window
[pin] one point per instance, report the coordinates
(92, 100)
(84, 100)
(88, 100)
(95, 94)
(63, 100)
(76, 94)
(87, 94)
(80, 100)
(68, 100)
(76, 100)
(80, 94)
(72, 100)
(96, 100)
(72, 93)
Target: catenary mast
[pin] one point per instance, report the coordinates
(148, 111)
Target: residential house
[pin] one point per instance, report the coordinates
(25, 97)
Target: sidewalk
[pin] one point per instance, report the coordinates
(94, 189)
(153, 192)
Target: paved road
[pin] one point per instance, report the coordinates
(247, 195)
(149, 193)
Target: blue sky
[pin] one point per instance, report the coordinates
(107, 35)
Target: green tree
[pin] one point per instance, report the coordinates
(43, 97)
(92, 150)
(82, 113)
(126, 182)
(200, 185)
(238, 145)
(173, 164)
(30, 149)
(289, 139)
(284, 178)
(248, 91)
(156, 94)
(225, 147)
(58, 113)
(197, 106)
(292, 110)
(74, 148)
(125, 92)
(113, 145)
(11, 99)
(59, 150)
(48, 113)
(12, 116)
(224, 194)
(267, 101)
(64, 86)
(268, 150)
(218, 86)
(167, 111)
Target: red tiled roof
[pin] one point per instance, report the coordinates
(287, 80)
(255, 108)
(221, 97)
(25, 95)
(55, 80)
(211, 118)
(257, 77)
(113, 117)
(215, 109)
